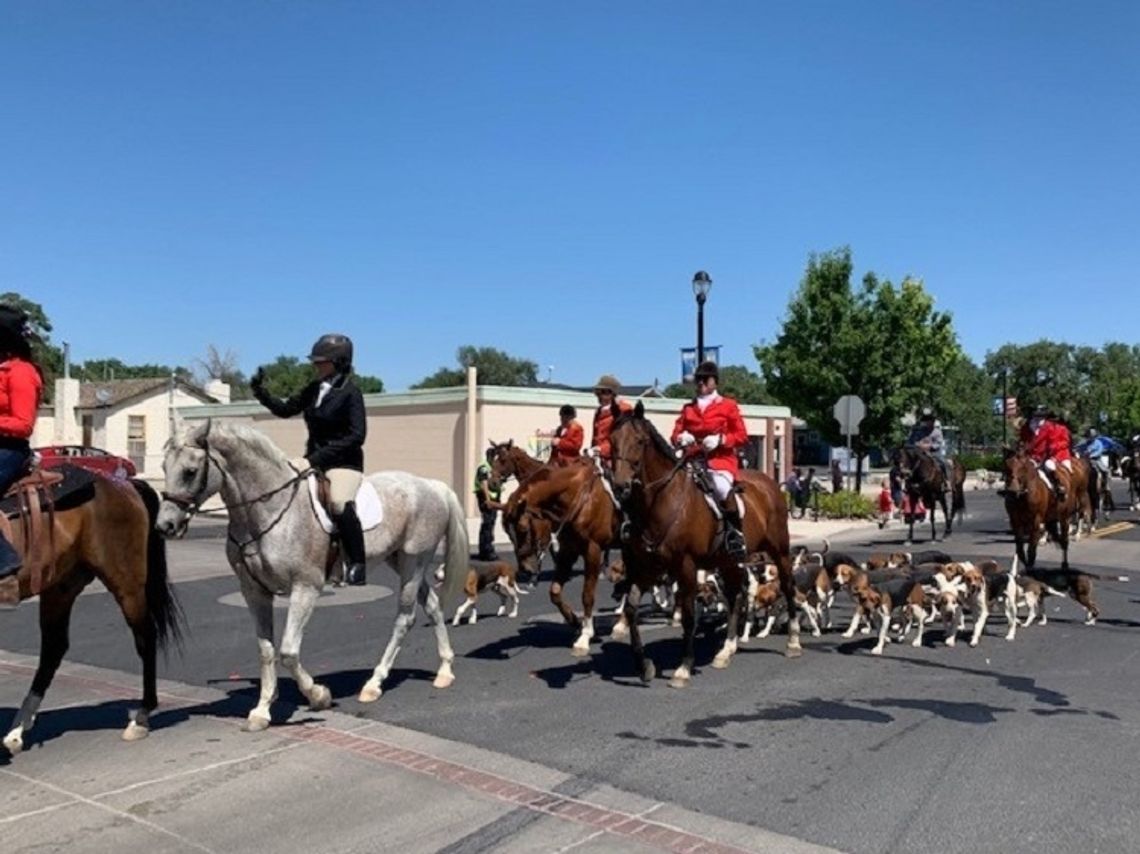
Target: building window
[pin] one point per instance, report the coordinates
(136, 440)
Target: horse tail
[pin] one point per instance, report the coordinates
(458, 549)
(163, 610)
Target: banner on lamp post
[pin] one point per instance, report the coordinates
(689, 360)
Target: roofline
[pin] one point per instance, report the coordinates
(189, 388)
(516, 395)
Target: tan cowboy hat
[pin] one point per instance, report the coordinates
(607, 382)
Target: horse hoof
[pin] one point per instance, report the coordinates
(320, 698)
(134, 732)
(369, 693)
(14, 742)
(877, 651)
(620, 632)
(256, 723)
(683, 682)
(720, 662)
(793, 651)
(648, 672)
(443, 680)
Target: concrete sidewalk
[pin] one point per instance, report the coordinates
(326, 782)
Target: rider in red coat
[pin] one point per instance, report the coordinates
(1048, 442)
(610, 407)
(714, 422)
(566, 446)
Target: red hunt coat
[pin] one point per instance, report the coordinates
(722, 417)
(567, 443)
(603, 424)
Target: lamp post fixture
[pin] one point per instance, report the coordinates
(702, 284)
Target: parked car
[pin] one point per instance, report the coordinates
(84, 456)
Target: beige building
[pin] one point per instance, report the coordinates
(443, 433)
(129, 418)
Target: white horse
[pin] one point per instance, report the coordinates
(276, 546)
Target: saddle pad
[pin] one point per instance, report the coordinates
(714, 505)
(77, 487)
(369, 510)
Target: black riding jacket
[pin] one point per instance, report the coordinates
(336, 428)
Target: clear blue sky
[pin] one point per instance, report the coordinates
(547, 177)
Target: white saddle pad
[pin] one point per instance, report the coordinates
(369, 510)
(714, 505)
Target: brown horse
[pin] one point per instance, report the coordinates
(507, 461)
(923, 478)
(672, 531)
(111, 537)
(1032, 505)
(573, 501)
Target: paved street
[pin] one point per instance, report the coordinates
(1021, 746)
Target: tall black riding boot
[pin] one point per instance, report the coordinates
(352, 542)
(734, 542)
(10, 564)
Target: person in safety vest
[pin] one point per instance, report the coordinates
(21, 387)
(566, 446)
(713, 423)
(487, 497)
(610, 406)
(333, 407)
(1047, 441)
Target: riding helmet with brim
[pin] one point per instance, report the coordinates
(607, 382)
(334, 348)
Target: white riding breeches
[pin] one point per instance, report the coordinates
(722, 483)
(1051, 465)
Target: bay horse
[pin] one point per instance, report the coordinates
(572, 501)
(1130, 469)
(509, 460)
(1032, 505)
(672, 531)
(923, 478)
(110, 537)
(277, 547)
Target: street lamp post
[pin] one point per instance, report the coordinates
(702, 284)
(1004, 408)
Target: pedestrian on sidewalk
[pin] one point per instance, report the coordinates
(808, 486)
(886, 503)
(792, 486)
(487, 497)
(836, 476)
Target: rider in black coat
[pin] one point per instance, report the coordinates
(333, 408)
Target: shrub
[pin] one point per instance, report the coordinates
(846, 505)
(973, 462)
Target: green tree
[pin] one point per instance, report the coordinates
(494, 367)
(964, 401)
(884, 343)
(287, 375)
(96, 370)
(736, 381)
(47, 355)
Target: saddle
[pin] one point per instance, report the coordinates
(704, 481)
(29, 507)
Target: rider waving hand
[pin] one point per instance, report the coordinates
(333, 407)
(714, 422)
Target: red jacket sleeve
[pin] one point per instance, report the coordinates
(735, 433)
(570, 442)
(24, 385)
(679, 426)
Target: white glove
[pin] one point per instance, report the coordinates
(592, 452)
(712, 442)
(686, 438)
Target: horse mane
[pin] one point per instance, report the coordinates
(261, 444)
(660, 441)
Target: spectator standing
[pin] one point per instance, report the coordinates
(836, 476)
(489, 507)
(792, 485)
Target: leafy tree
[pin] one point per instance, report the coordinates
(494, 366)
(95, 370)
(736, 381)
(884, 343)
(47, 355)
(287, 375)
(965, 401)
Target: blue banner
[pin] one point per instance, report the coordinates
(689, 360)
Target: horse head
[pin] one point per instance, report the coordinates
(502, 463)
(1018, 472)
(191, 478)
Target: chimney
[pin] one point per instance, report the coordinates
(218, 390)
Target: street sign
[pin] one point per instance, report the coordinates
(849, 411)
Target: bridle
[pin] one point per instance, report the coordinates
(638, 467)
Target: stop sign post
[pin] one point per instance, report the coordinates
(849, 411)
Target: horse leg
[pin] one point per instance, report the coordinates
(687, 599)
(405, 616)
(734, 593)
(260, 604)
(55, 622)
(644, 665)
(910, 527)
(593, 561)
(563, 564)
(948, 514)
(302, 602)
(429, 599)
(788, 588)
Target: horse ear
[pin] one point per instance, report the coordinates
(491, 442)
(510, 443)
(196, 436)
(639, 410)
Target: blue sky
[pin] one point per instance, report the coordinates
(546, 178)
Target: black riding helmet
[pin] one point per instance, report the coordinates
(334, 348)
(568, 411)
(707, 368)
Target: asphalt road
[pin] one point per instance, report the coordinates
(1022, 746)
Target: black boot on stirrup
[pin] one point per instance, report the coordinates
(733, 537)
(352, 541)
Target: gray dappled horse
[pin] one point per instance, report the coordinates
(276, 545)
